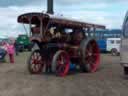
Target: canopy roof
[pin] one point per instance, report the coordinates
(36, 17)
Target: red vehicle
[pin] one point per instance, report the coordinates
(58, 42)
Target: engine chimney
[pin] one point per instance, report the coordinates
(50, 6)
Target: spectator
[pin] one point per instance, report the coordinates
(16, 48)
(10, 51)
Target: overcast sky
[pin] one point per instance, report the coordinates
(107, 12)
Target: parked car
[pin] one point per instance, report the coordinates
(113, 46)
(2, 54)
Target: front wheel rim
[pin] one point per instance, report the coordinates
(36, 62)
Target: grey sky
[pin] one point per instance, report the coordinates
(106, 12)
(5, 3)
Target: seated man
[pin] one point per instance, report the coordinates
(54, 34)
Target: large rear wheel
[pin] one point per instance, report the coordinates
(36, 62)
(60, 63)
(90, 55)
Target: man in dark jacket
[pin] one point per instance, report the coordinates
(16, 45)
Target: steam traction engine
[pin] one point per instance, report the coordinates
(58, 42)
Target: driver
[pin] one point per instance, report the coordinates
(77, 36)
(54, 33)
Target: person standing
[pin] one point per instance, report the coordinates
(10, 51)
(16, 48)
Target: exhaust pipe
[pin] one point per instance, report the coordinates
(50, 6)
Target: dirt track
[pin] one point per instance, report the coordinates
(108, 81)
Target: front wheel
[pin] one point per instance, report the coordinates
(60, 63)
(36, 62)
(114, 52)
(90, 55)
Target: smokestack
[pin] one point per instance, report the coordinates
(50, 6)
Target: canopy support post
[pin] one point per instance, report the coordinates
(30, 33)
(41, 28)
